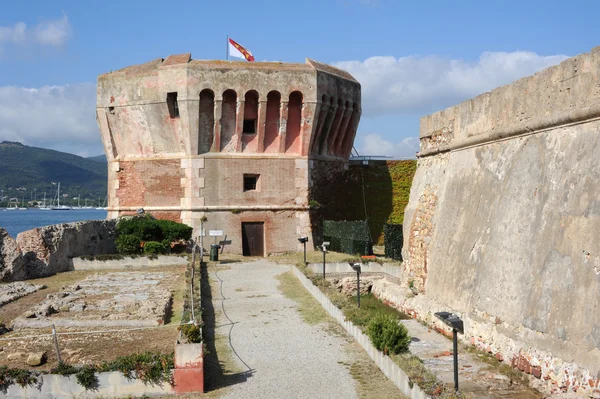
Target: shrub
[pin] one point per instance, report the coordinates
(192, 332)
(173, 231)
(147, 229)
(127, 244)
(155, 247)
(86, 377)
(387, 334)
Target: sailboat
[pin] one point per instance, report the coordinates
(58, 206)
(44, 207)
(22, 208)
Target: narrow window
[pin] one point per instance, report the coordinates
(249, 126)
(172, 104)
(251, 182)
(111, 110)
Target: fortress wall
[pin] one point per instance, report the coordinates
(502, 222)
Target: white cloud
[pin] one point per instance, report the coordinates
(424, 84)
(58, 117)
(52, 32)
(374, 144)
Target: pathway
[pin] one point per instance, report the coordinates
(283, 356)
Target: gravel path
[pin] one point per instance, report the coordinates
(288, 358)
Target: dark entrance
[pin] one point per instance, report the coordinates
(253, 239)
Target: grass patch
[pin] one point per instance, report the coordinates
(310, 310)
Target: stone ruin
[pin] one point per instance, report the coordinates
(48, 250)
(128, 299)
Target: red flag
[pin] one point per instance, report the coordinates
(239, 51)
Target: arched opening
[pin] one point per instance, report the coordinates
(343, 129)
(314, 147)
(250, 126)
(335, 127)
(228, 119)
(292, 138)
(351, 131)
(206, 121)
(271, 143)
(250, 112)
(327, 127)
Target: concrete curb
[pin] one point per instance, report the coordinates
(384, 362)
(110, 385)
(127, 262)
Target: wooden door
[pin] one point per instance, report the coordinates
(253, 238)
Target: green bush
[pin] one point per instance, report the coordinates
(155, 247)
(86, 377)
(192, 332)
(173, 231)
(387, 334)
(147, 229)
(127, 244)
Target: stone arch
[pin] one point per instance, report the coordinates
(228, 120)
(206, 121)
(271, 143)
(294, 121)
(350, 131)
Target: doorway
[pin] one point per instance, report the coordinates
(253, 238)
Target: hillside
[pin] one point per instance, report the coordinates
(27, 172)
(98, 158)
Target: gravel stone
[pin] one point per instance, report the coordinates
(287, 357)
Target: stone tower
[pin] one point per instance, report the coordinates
(237, 143)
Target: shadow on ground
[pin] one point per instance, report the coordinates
(216, 373)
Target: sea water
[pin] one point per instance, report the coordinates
(17, 221)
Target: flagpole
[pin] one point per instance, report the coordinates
(227, 49)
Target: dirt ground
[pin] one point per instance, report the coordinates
(85, 348)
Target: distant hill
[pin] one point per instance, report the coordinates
(27, 172)
(98, 158)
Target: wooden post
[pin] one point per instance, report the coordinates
(56, 344)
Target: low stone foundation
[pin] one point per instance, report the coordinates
(132, 299)
(548, 373)
(48, 250)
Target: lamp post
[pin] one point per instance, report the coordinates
(304, 240)
(454, 322)
(356, 267)
(324, 249)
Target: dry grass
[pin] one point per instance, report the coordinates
(86, 348)
(309, 309)
(515, 375)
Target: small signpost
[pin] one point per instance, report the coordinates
(454, 322)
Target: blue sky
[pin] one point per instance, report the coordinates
(411, 58)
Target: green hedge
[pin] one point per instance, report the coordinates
(393, 240)
(131, 232)
(348, 237)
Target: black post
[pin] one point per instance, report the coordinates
(324, 263)
(455, 350)
(304, 252)
(358, 288)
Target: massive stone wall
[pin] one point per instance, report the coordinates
(502, 222)
(48, 250)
